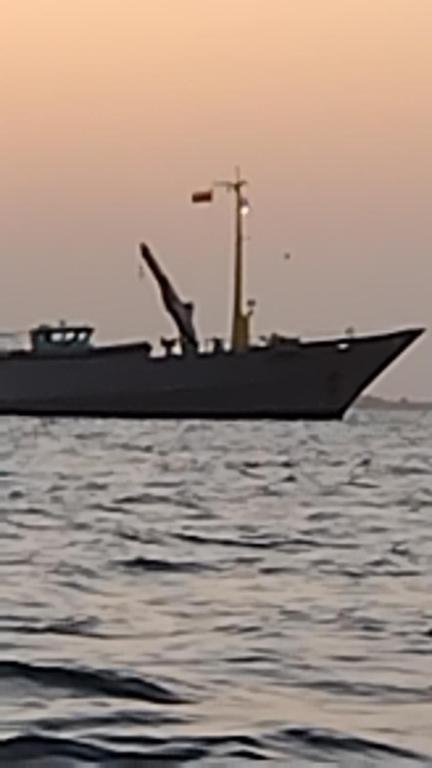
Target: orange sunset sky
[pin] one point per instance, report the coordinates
(114, 111)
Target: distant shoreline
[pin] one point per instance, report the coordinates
(371, 402)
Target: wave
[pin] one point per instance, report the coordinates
(87, 681)
(357, 689)
(124, 718)
(327, 742)
(20, 749)
(67, 626)
(141, 498)
(150, 499)
(384, 566)
(289, 743)
(125, 447)
(194, 538)
(282, 544)
(155, 565)
(403, 470)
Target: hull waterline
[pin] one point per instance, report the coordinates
(293, 380)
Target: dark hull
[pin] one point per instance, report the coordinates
(314, 380)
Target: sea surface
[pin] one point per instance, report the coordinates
(211, 594)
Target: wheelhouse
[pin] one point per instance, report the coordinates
(61, 339)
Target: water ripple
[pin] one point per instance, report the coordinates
(86, 681)
(217, 594)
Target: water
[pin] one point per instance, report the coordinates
(216, 594)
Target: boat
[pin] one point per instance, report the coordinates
(62, 373)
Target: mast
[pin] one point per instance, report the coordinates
(240, 326)
(240, 319)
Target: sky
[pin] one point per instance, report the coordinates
(114, 111)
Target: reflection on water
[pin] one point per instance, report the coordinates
(216, 593)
